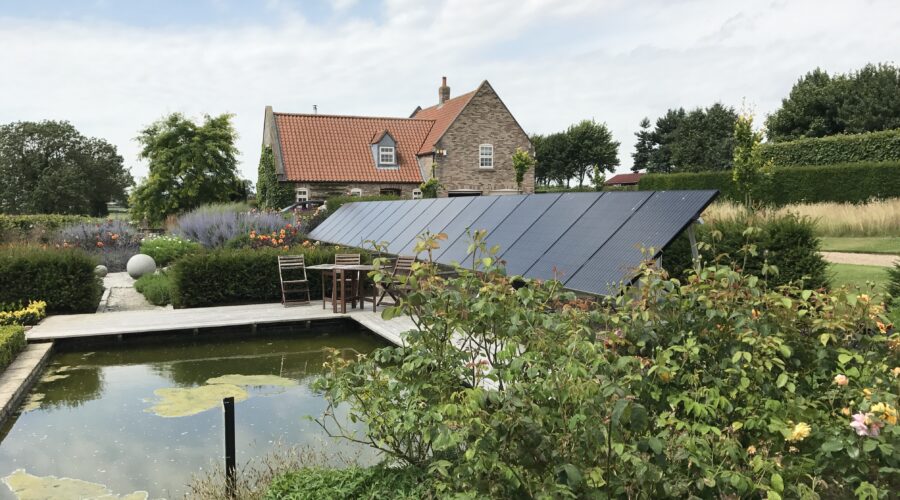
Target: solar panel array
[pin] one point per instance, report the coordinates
(588, 241)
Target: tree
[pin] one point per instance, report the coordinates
(820, 105)
(50, 167)
(750, 171)
(551, 154)
(590, 145)
(522, 162)
(662, 138)
(703, 140)
(190, 164)
(271, 194)
(643, 148)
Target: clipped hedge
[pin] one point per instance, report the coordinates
(786, 241)
(12, 341)
(156, 288)
(352, 482)
(845, 183)
(333, 203)
(242, 276)
(63, 278)
(850, 148)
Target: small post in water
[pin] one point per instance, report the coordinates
(230, 479)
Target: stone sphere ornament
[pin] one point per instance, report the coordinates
(101, 271)
(140, 265)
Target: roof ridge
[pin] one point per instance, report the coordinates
(353, 116)
(460, 96)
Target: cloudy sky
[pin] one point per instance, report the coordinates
(112, 67)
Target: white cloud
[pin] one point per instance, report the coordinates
(552, 62)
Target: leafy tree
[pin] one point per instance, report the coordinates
(704, 140)
(820, 105)
(552, 163)
(591, 145)
(522, 162)
(50, 167)
(271, 193)
(751, 170)
(191, 164)
(643, 148)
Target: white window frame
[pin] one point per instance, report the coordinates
(417, 194)
(356, 192)
(301, 194)
(387, 150)
(482, 156)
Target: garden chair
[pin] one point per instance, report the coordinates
(350, 280)
(293, 267)
(395, 285)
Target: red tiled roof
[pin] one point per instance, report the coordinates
(624, 179)
(327, 148)
(443, 115)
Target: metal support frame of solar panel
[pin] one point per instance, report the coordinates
(591, 238)
(662, 217)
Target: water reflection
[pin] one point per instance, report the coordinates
(93, 424)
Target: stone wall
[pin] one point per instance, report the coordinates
(321, 191)
(485, 120)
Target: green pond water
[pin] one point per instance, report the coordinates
(145, 414)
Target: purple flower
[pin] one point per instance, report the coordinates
(865, 426)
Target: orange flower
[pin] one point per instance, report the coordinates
(99, 244)
(114, 236)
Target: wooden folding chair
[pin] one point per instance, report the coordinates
(395, 286)
(342, 259)
(293, 266)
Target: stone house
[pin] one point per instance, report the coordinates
(467, 142)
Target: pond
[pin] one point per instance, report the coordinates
(144, 414)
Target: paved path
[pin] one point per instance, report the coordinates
(18, 376)
(864, 259)
(159, 320)
(120, 295)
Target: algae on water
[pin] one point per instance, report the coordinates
(178, 402)
(253, 380)
(30, 487)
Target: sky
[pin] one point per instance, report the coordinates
(113, 67)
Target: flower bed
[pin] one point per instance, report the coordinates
(28, 315)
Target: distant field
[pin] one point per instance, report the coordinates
(873, 219)
(855, 275)
(885, 245)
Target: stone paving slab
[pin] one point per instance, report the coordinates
(20, 375)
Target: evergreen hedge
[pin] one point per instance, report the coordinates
(847, 183)
(245, 276)
(850, 148)
(12, 341)
(63, 278)
(333, 203)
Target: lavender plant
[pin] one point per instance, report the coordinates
(214, 225)
(112, 241)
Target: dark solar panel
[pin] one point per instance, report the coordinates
(447, 209)
(419, 224)
(346, 212)
(545, 231)
(455, 229)
(659, 220)
(587, 234)
(519, 220)
(489, 220)
(355, 224)
(399, 224)
(386, 221)
(329, 224)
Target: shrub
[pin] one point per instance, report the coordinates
(156, 288)
(845, 183)
(168, 249)
(112, 241)
(786, 241)
(352, 482)
(893, 284)
(24, 316)
(214, 225)
(12, 342)
(335, 202)
(849, 148)
(241, 276)
(63, 278)
(714, 386)
(37, 228)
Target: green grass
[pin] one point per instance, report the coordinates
(884, 245)
(156, 288)
(856, 275)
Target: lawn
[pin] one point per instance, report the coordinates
(852, 274)
(884, 245)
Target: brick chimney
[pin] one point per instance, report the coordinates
(443, 91)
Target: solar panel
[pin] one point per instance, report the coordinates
(447, 209)
(592, 240)
(657, 222)
(587, 234)
(546, 230)
(488, 221)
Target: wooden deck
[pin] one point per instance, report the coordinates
(154, 321)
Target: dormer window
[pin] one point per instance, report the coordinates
(386, 155)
